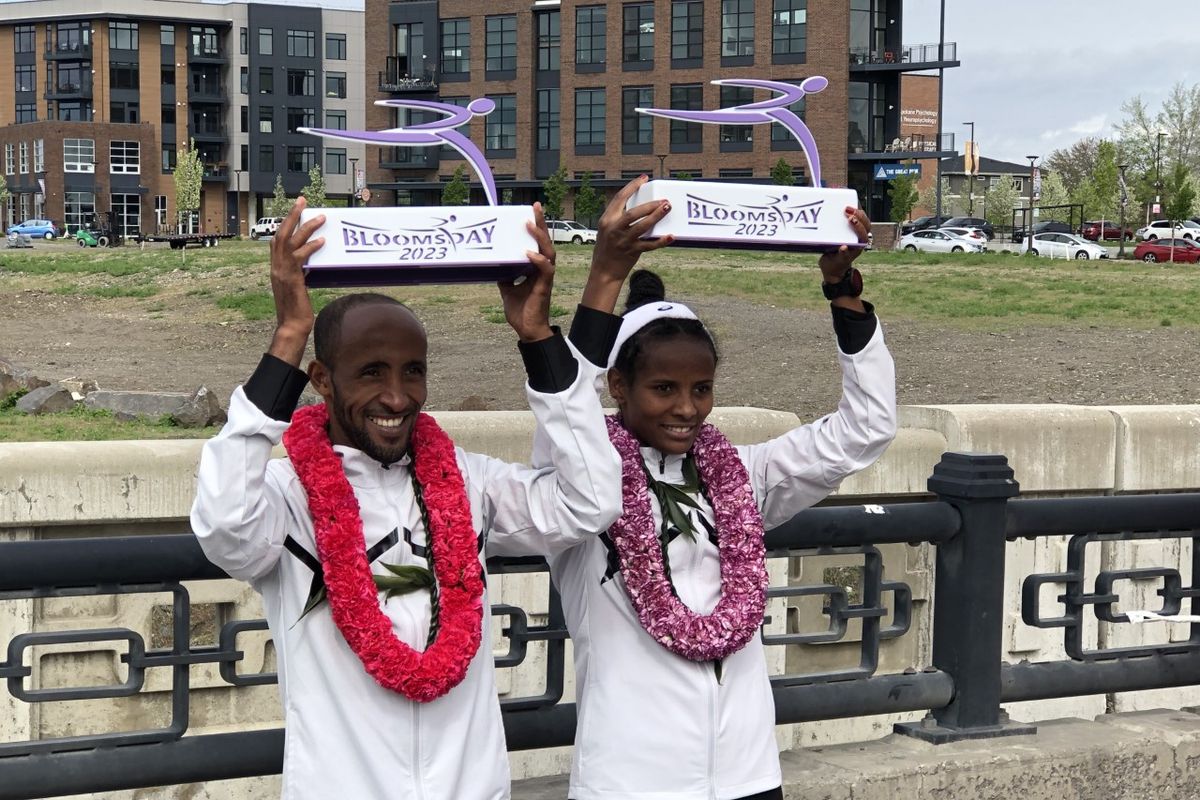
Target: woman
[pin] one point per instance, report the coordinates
(665, 608)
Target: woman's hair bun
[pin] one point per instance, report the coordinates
(644, 287)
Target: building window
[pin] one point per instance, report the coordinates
(589, 117)
(26, 78)
(39, 155)
(24, 150)
(301, 82)
(335, 161)
(301, 44)
(591, 35)
(735, 173)
(166, 35)
(301, 118)
(244, 77)
(79, 155)
(10, 159)
(547, 119)
(736, 96)
(549, 35)
(266, 42)
(789, 28)
(266, 119)
(335, 46)
(689, 97)
(72, 37)
(127, 208)
(167, 76)
(779, 134)
(245, 119)
(456, 46)
(737, 27)
(461, 102)
(169, 158)
(335, 84)
(167, 113)
(301, 158)
(126, 111)
(74, 111)
(205, 42)
(160, 210)
(266, 80)
(26, 112)
(122, 36)
(335, 120)
(638, 32)
(409, 46)
(637, 128)
(23, 39)
(500, 132)
(123, 75)
(266, 158)
(79, 208)
(244, 41)
(687, 29)
(501, 44)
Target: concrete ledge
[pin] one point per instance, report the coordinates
(1151, 755)
(1157, 448)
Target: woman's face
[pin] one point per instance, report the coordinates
(670, 395)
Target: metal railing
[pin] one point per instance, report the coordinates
(970, 524)
(907, 55)
(393, 78)
(69, 50)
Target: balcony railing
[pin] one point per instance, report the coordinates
(397, 80)
(209, 131)
(199, 53)
(408, 157)
(69, 90)
(909, 143)
(69, 50)
(216, 172)
(909, 55)
(207, 94)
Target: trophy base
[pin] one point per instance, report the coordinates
(752, 216)
(414, 245)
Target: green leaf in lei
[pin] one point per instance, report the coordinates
(672, 498)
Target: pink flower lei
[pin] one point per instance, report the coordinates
(739, 613)
(353, 598)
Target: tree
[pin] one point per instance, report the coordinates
(1181, 195)
(456, 192)
(682, 176)
(279, 204)
(1178, 118)
(781, 173)
(555, 188)
(314, 192)
(999, 200)
(588, 202)
(903, 194)
(4, 193)
(1074, 164)
(189, 175)
(1054, 194)
(927, 198)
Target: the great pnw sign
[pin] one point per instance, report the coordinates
(422, 244)
(749, 215)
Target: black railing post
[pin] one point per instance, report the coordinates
(968, 612)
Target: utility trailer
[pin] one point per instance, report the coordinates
(178, 241)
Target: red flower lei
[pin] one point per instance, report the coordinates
(353, 598)
(739, 613)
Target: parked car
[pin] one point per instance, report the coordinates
(977, 234)
(1046, 226)
(1163, 228)
(266, 226)
(568, 230)
(1184, 251)
(922, 223)
(971, 222)
(36, 228)
(1065, 245)
(937, 241)
(1106, 230)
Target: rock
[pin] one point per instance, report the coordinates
(46, 400)
(79, 387)
(17, 379)
(128, 406)
(201, 410)
(473, 403)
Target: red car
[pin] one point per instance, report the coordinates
(1185, 251)
(1107, 230)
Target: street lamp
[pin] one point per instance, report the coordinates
(1158, 167)
(237, 198)
(661, 160)
(1029, 226)
(353, 182)
(1124, 199)
(969, 153)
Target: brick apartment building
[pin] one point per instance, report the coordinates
(97, 100)
(566, 77)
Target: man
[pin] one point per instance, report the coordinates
(368, 543)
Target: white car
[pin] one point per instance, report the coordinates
(568, 230)
(1065, 245)
(974, 234)
(1163, 229)
(266, 226)
(938, 241)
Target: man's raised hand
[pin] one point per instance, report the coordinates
(291, 248)
(527, 302)
(835, 263)
(619, 244)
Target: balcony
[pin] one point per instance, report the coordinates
(211, 132)
(207, 93)
(408, 157)
(914, 146)
(199, 54)
(218, 172)
(906, 58)
(396, 80)
(68, 51)
(68, 90)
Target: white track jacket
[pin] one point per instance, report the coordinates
(347, 737)
(656, 726)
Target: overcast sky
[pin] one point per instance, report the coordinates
(1037, 75)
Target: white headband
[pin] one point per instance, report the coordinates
(642, 316)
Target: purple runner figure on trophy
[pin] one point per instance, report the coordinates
(773, 109)
(430, 134)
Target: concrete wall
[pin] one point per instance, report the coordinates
(117, 488)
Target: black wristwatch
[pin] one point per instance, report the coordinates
(849, 286)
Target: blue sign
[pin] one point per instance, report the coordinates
(889, 172)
